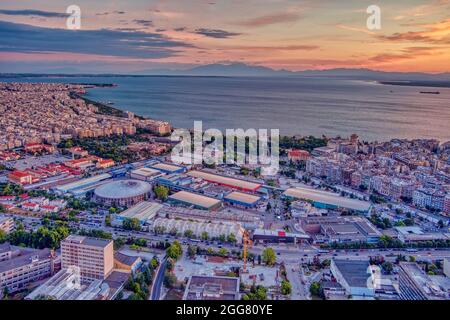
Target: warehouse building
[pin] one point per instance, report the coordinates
(168, 168)
(279, 236)
(83, 186)
(143, 211)
(354, 276)
(195, 200)
(234, 183)
(340, 229)
(327, 200)
(145, 174)
(241, 199)
(175, 182)
(214, 229)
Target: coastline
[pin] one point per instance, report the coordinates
(431, 84)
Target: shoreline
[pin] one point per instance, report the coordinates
(429, 84)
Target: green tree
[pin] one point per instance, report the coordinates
(315, 289)
(188, 233)
(3, 236)
(231, 238)
(161, 192)
(192, 251)
(204, 235)
(286, 287)
(269, 257)
(170, 280)
(175, 251)
(131, 224)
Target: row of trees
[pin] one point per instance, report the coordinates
(43, 237)
(231, 238)
(388, 243)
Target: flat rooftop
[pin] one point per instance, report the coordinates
(142, 211)
(94, 242)
(355, 272)
(224, 180)
(242, 197)
(212, 288)
(166, 167)
(83, 182)
(195, 199)
(146, 172)
(26, 256)
(327, 198)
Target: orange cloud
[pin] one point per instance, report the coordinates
(437, 33)
(270, 19)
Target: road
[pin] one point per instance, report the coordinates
(294, 276)
(157, 284)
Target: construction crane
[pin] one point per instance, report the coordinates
(247, 242)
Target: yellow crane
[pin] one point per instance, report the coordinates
(247, 242)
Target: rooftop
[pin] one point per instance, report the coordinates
(142, 211)
(122, 189)
(327, 198)
(355, 272)
(242, 197)
(195, 199)
(228, 181)
(93, 242)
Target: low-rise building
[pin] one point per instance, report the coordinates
(447, 266)
(20, 267)
(20, 177)
(6, 224)
(212, 288)
(354, 276)
(413, 234)
(195, 200)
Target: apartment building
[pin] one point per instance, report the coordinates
(6, 224)
(94, 257)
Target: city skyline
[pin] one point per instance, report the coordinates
(294, 35)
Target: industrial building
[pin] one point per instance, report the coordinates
(81, 187)
(214, 229)
(168, 168)
(67, 285)
(195, 200)
(175, 182)
(122, 193)
(354, 276)
(234, 183)
(20, 267)
(242, 199)
(143, 211)
(145, 174)
(279, 236)
(340, 229)
(327, 200)
(212, 288)
(414, 234)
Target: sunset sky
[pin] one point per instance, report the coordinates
(139, 35)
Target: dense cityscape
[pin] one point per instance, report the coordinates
(89, 196)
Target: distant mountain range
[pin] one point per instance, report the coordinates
(241, 69)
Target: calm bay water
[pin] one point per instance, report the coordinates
(302, 106)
